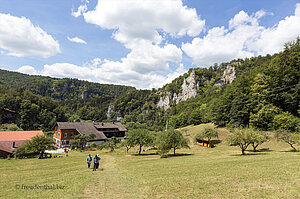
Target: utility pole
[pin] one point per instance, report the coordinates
(167, 122)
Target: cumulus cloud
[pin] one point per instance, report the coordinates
(141, 26)
(243, 38)
(81, 9)
(27, 70)
(272, 40)
(137, 19)
(76, 40)
(106, 72)
(19, 37)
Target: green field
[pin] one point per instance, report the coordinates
(220, 172)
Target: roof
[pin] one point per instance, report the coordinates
(88, 128)
(110, 125)
(7, 146)
(18, 135)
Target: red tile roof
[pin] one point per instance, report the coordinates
(18, 135)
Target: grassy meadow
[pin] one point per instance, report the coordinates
(199, 172)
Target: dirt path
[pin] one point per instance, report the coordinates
(106, 181)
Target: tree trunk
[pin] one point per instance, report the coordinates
(294, 149)
(243, 151)
(174, 151)
(140, 150)
(254, 147)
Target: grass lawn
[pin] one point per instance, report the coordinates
(220, 172)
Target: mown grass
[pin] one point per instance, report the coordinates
(220, 172)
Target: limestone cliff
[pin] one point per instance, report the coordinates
(227, 77)
(188, 90)
(190, 87)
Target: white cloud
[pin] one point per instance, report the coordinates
(272, 40)
(142, 27)
(27, 70)
(106, 72)
(19, 37)
(76, 40)
(81, 9)
(244, 38)
(137, 19)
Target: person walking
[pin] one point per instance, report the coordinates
(89, 160)
(96, 162)
(66, 152)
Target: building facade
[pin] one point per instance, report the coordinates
(64, 132)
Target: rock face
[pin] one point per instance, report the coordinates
(189, 90)
(110, 110)
(227, 77)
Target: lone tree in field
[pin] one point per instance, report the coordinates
(286, 136)
(139, 137)
(111, 144)
(172, 139)
(126, 144)
(258, 137)
(82, 139)
(207, 133)
(240, 137)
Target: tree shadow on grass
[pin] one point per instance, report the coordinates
(249, 154)
(261, 150)
(290, 151)
(145, 154)
(177, 155)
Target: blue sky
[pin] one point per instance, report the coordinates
(145, 43)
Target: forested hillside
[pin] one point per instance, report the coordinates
(262, 92)
(60, 89)
(265, 94)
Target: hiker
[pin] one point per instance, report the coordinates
(66, 152)
(96, 162)
(89, 160)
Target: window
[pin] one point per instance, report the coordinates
(71, 135)
(65, 135)
(67, 142)
(58, 134)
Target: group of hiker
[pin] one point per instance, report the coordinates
(96, 161)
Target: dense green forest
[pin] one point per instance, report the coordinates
(265, 94)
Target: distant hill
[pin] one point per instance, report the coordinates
(60, 89)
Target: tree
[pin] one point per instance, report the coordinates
(140, 137)
(82, 139)
(286, 121)
(125, 143)
(37, 145)
(111, 144)
(172, 139)
(258, 137)
(286, 136)
(195, 117)
(240, 137)
(208, 133)
(263, 119)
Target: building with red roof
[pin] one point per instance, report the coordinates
(10, 140)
